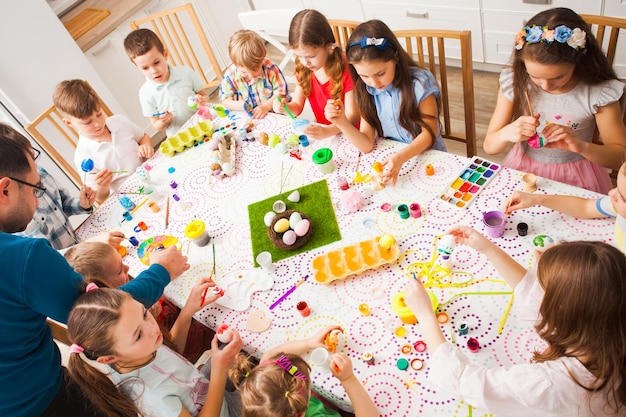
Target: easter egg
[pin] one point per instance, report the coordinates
(293, 140)
(273, 140)
(294, 197)
(294, 219)
(281, 148)
(263, 138)
(269, 216)
(289, 238)
(386, 241)
(86, 165)
(281, 226)
(302, 228)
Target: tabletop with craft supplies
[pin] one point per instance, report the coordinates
(301, 237)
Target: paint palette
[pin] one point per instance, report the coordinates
(474, 177)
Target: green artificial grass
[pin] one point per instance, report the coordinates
(315, 202)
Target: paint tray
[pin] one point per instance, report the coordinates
(475, 176)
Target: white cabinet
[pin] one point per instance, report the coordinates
(344, 9)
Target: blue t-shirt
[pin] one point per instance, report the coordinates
(387, 103)
(37, 282)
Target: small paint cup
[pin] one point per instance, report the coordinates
(265, 260)
(522, 229)
(197, 233)
(173, 184)
(323, 159)
(494, 223)
(127, 216)
(419, 346)
(154, 207)
(142, 226)
(342, 183)
(473, 345)
(320, 357)
(364, 309)
(279, 206)
(303, 308)
(463, 329)
(415, 210)
(220, 110)
(403, 211)
(530, 182)
(304, 140)
(133, 241)
(368, 358)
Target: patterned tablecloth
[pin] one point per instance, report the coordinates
(222, 204)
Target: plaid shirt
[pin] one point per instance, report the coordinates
(270, 82)
(51, 216)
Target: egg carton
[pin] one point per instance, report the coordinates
(186, 138)
(352, 260)
(223, 155)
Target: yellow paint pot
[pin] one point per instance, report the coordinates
(403, 312)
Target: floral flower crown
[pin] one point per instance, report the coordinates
(576, 38)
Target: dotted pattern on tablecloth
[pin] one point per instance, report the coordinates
(222, 204)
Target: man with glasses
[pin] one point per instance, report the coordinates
(36, 283)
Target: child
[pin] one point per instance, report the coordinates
(397, 99)
(164, 96)
(321, 71)
(578, 297)
(51, 220)
(558, 64)
(594, 208)
(101, 264)
(253, 82)
(281, 384)
(116, 145)
(147, 378)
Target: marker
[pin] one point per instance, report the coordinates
(159, 114)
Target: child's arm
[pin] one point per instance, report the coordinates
(421, 143)
(195, 303)
(511, 271)
(221, 361)
(295, 106)
(418, 301)
(146, 150)
(341, 367)
(299, 347)
(363, 138)
(583, 208)
(501, 130)
(162, 120)
(201, 97)
(612, 131)
(103, 181)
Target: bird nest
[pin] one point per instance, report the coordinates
(277, 238)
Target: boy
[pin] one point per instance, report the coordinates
(253, 82)
(51, 220)
(164, 95)
(613, 205)
(116, 145)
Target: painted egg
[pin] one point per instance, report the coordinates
(302, 228)
(273, 140)
(281, 226)
(294, 219)
(263, 138)
(269, 216)
(289, 238)
(281, 148)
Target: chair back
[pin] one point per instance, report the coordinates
(342, 29)
(428, 48)
(182, 35)
(58, 139)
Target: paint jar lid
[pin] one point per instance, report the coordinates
(194, 229)
(322, 155)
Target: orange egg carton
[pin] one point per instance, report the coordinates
(353, 260)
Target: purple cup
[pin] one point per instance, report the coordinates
(494, 223)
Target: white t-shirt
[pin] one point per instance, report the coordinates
(121, 154)
(532, 389)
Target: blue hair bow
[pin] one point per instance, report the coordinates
(380, 43)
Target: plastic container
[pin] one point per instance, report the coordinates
(323, 159)
(494, 223)
(196, 231)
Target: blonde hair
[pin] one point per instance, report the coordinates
(76, 98)
(247, 49)
(92, 261)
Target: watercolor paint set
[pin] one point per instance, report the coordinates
(474, 177)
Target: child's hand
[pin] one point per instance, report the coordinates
(418, 301)
(562, 137)
(145, 151)
(341, 366)
(334, 111)
(163, 121)
(171, 259)
(277, 105)
(194, 302)
(393, 163)
(104, 178)
(470, 237)
(521, 129)
(223, 359)
(316, 131)
(87, 197)
(260, 112)
(521, 200)
(200, 100)
(317, 340)
(112, 238)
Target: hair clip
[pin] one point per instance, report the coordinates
(91, 286)
(380, 43)
(289, 367)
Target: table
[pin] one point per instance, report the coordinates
(222, 204)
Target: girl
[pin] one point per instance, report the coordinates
(321, 71)
(572, 89)
(281, 384)
(397, 99)
(101, 264)
(578, 297)
(145, 378)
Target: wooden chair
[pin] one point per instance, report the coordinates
(428, 48)
(49, 124)
(59, 332)
(342, 29)
(180, 31)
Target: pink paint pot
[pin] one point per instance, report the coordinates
(303, 308)
(494, 223)
(473, 345)
(415, 210)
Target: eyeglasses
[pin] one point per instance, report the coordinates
(36, 153)
(38, 189)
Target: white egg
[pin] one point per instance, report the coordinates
(269, 216)
(294, 219)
